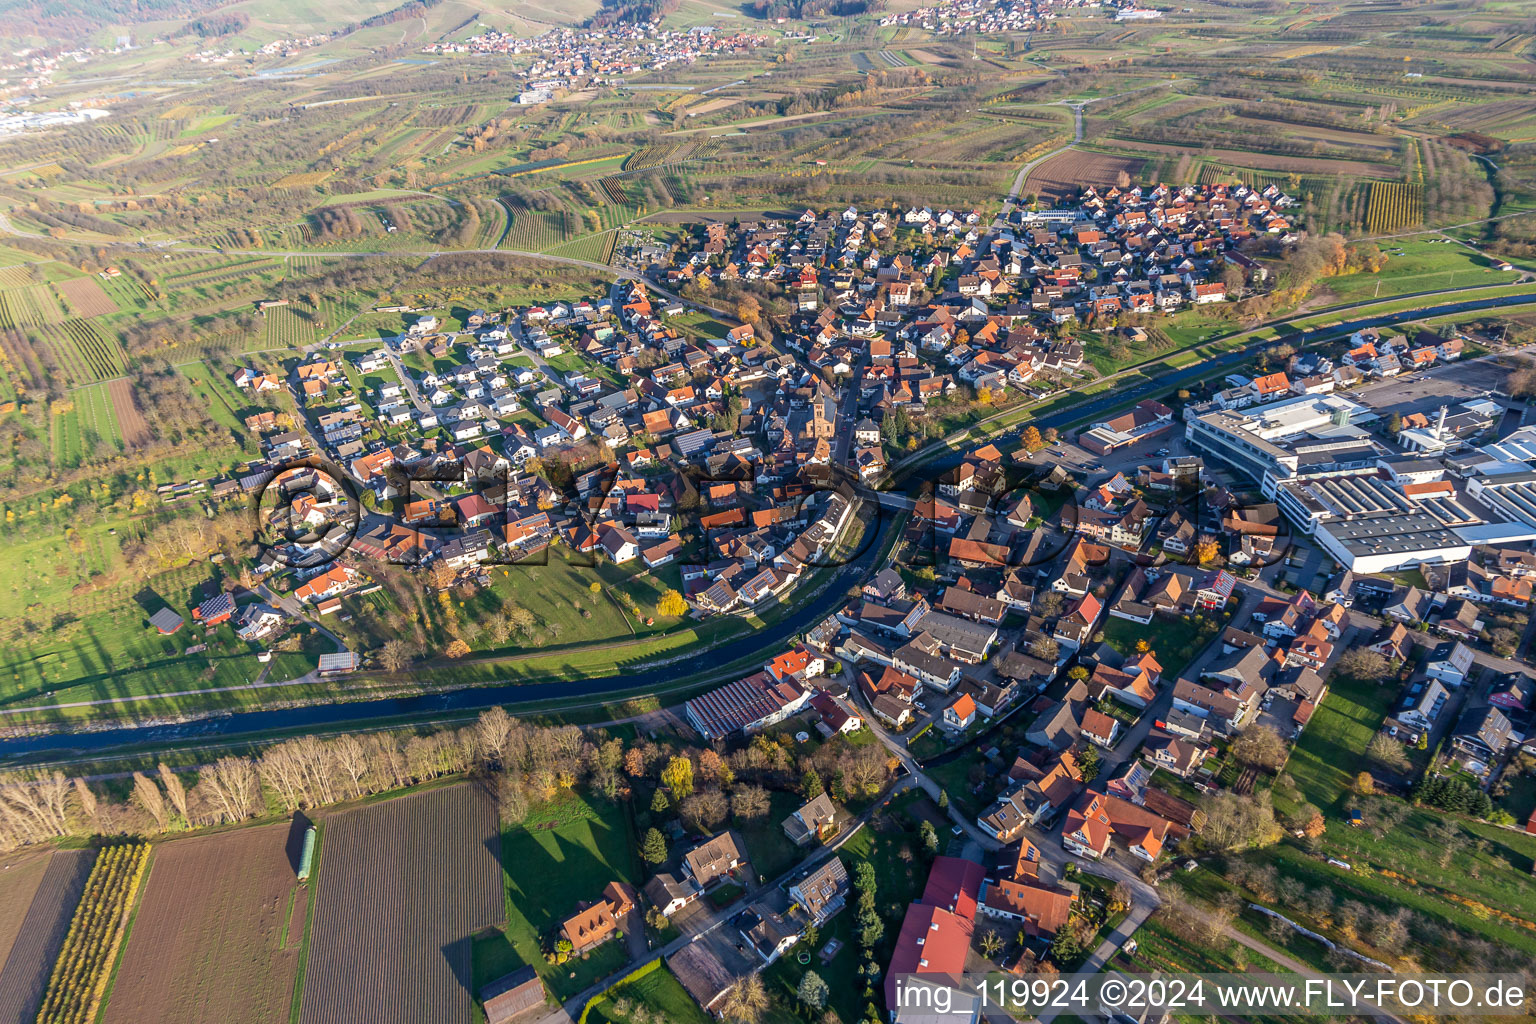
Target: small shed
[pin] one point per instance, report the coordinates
(166, 621)
(341, 661)
(509, 997)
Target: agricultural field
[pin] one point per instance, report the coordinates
(130, 419)
(90, 947)
(1393, 204)
(86, 298)
(402, 886)
(37, 906)
(217, 934)
(24, 871)
(1065, 174)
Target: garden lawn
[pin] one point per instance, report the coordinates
(558, 593)
(563, 853)
(1424, 266)
(100, 646)
(1175, 641)
(658, 991)
(768, 848)
(1331, 752)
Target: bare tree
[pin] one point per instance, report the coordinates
(749, 803)
(280, 771)
(395, 655)
(493, 731)
(351, 760)
(386, 759)
(234, 787)
(317, 764)
(746, 1001)
(513, 801)
(704, 810)
(1260, 746)
(864, 770)
(174, 789)
(34, 808)
(88, 803)
(150, 798)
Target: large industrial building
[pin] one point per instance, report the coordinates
(1309, 435)
(1371, 510)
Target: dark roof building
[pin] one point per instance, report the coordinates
(509, 997)
(714, 857)
(166, 621)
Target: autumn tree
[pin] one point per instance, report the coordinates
(1207, 549)
(678, 776)
(714, 769)
(671, 603)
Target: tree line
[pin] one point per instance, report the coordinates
(526, 764)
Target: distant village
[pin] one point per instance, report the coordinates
(568, 57)
(961, 17)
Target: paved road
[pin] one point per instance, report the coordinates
(1053, 855)
(427, 707)
(1076, 106)
(1085, 412)
(1288, 962)
(407, 379)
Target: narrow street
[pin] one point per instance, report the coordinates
(1144, 897)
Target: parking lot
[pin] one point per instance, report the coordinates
(1427, 390)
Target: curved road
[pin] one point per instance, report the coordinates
(1086, 411)
(764, 642)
